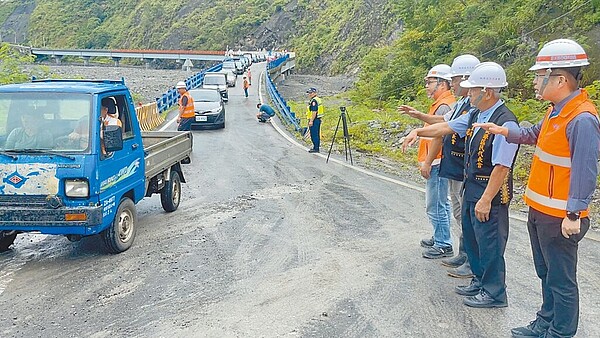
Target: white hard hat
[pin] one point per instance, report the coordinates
(181, 84)
(463, 65)
(441, 71)
(560, 53)
(486, 75)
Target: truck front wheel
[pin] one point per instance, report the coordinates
(6, 239)
(119, 236)
(170, 195)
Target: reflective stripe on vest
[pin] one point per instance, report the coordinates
(320, 109)
(549, 179)
(188, 110)
(552, 159)
(445, 98)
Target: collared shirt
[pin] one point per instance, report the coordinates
(503, 152)
(583, 134)
(458, 104)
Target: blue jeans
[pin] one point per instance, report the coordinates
(438, 207)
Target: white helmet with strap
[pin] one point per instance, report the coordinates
(560, 53)
(181, 84)
(440, 71)
(486, 75)
(463, 65)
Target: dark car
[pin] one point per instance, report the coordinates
(209, 108)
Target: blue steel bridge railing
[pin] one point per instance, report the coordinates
(170, 98)
(286, 113)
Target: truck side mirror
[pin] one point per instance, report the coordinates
(113, 138)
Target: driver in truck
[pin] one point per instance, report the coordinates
(31, 135)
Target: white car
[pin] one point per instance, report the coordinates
(216, 81)
(231, 76)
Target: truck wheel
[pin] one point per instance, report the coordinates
(119, 236)
(170, 195)
(6, 240)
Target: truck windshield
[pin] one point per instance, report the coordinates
(31, 121)
(214, 79)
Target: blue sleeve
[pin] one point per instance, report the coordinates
(583, 133)
(503, 153)
(460, 124)
(520, 135)
(314, 105)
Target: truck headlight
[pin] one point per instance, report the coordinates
(77, 188)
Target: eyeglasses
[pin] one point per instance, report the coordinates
(428, 82)
(537, 76)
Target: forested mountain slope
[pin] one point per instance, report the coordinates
(389, 43)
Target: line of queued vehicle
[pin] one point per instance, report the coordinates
(210, 98)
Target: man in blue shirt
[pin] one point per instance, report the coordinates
(561, 183)
(265, 112)
(488, 184)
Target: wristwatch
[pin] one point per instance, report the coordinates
(573, 216)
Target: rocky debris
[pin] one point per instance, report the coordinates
(145, 84)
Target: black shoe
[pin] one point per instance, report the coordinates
(427, 242)
(455, 261)
(468, 290)
(536, 328)
(463, 271)
(483, 300)
(435, 252)
(313, 150)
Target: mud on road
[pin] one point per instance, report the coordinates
(269, 241)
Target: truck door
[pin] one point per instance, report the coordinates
(121, 170)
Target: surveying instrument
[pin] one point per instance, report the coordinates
(344, 121)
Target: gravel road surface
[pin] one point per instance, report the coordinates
(269, 241)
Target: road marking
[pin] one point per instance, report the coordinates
(591, 234)
(168, 124)
(364, 171)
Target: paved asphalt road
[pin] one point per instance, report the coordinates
(269, 241)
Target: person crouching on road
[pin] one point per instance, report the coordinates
(489, 160)
(265, 112)
(561, 183)
(187, 113)
(315, 111)
(437, 85)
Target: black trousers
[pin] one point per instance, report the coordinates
(555, 260)
(484, 244)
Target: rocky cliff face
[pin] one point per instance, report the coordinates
(14, 28)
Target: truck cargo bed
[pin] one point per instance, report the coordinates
(163, 149)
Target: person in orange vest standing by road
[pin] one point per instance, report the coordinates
(246, 85)
(437, 85)
(487, 188)
(452, 164)
(561, 183)
(187, 114)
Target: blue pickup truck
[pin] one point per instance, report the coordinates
(74, 161)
